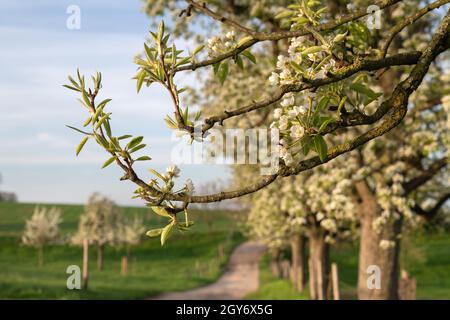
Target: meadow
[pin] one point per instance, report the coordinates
(186, 261)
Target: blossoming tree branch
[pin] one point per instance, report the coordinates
(319, 89)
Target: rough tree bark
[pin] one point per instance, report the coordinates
(298, 252)
(319, 255)
(370, 252)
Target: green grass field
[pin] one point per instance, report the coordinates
(187, 260)
(424, 256)
(272, 288)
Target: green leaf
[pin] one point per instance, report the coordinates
(185, 226)
(185, 115)
(114, 144)
(154, 232)
(306, 143)
(86, 123)
(249, 56)
(107, 127)
(156, 173)
(143, 158)
(161, 211)
(75, 84)
(198, 49)
(78, 130)
(297, 67)
(373, 98)
(148, 52)
(109, 161)
(103, 103)
(321, 147)
(339, 37)
(341, 104)
(126, 136)
(81, 145)
(313, 49)
(325, 124)
(239, 62)
(183, 61)
(166, 233)
(284, 14)
(360, 88)
(139, 147)
(101, 120)
(140, 80)
(323, 102)
(71, 88)
(102, 141)
(134, 142)
(222, 73)
(85, 97)
(244, 40)
(97, 113)
(216, 67)
(160, 30)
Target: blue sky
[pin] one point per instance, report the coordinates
(37, 159)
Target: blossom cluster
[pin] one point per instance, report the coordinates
(219, 45)
(303, 203)
(304, 60)
(289, 118)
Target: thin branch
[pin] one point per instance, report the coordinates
(418, 181)
(396, 107)
(430, 214)
(410, 20)
(273, 36)
(203, 8)
(343, 73)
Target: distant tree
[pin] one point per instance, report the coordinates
(42, 229)
(99, 224)
(131, 232)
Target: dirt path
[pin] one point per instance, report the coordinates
(241, 277)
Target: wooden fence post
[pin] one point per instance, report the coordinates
(284, 266)
(85, 263)
(407, 287)
(124, 266)
(335, 281)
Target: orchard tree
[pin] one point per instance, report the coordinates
(317, 205)
(99, 224)
(327, 63)
(130, 233)
(404, 180)
(42, 229)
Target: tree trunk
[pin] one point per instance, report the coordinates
(85, 264)
(274, 262)
(319, 253)
(298, 261)
(100, 250)
(386, 259)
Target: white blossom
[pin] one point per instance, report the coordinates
(297, 131)
(173, 171)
